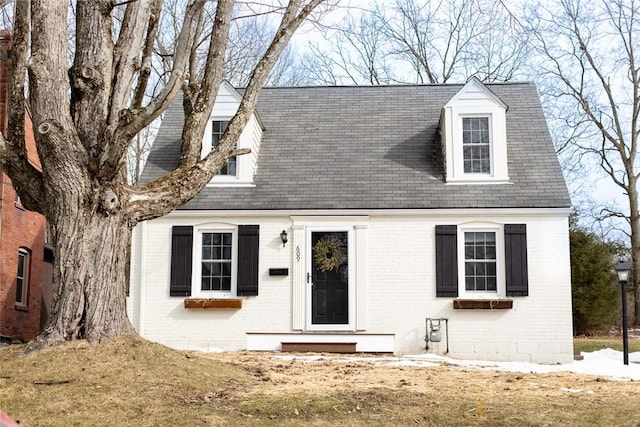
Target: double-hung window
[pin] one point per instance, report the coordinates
(480, 269)
(216, 261)
(480, 261)
(476, 145)
(218, 127)
(22, 277)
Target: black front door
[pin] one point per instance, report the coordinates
(330, 278)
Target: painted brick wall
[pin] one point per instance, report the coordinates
(19, 228)
(162, 318)
(538, 328)
(400, 290)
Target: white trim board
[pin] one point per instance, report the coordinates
(372, 212)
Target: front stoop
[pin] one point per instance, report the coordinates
(319, 347)
(329, 342)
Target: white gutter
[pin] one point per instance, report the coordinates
(376, 212)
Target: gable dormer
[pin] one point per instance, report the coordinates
(474, 136)
(238, 170)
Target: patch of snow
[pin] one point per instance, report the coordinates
(576, 390)
(606, 362)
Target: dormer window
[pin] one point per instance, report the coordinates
(476, 145)
(238, 171)
(217, 129)
(474, 136)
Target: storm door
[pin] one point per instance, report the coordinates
(328, 279)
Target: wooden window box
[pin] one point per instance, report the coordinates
(482, 304)
(212, 303)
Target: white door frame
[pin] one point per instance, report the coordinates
(358, 224)
(351, 294)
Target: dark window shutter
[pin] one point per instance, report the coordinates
(515, 251)
(181, 261)
(446, 261)
(248, 242)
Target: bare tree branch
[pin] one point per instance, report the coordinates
(147, 52)
(589, 52)
(424, 42)
(13, 150)
(151, 199)
(133, 121)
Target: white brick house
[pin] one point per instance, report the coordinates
(404, 207)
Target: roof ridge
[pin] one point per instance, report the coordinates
(399, 85)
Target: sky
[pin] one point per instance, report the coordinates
(587, 189)
(605, 363)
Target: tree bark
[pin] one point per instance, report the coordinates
(84, 119)
(89, 296)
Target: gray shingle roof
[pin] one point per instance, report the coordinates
(373, 147)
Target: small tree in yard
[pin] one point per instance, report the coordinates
(84, 118)
(594, 289)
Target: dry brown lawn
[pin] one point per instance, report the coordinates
(133, 382)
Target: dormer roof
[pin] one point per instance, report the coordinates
(475, 90)
(228, 101)
(374, 147)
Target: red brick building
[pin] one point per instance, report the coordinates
(22, 241)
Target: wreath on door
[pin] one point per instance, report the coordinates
(328, 254)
